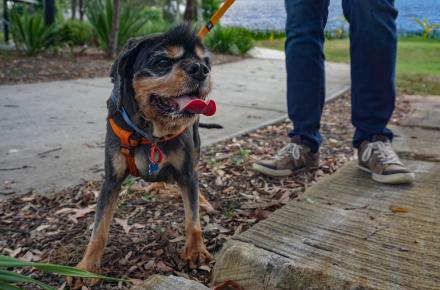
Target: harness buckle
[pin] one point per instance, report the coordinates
(134, 140)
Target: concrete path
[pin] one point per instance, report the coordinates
(349, 232)
(52, 133)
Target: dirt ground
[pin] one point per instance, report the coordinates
(147, 233)
(20, 69)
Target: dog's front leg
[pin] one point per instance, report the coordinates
(195, 252)
(105, 206)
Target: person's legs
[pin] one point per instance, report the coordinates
(306, 20)
(373, 46)
(305, 24)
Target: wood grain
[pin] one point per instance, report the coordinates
(342, 234)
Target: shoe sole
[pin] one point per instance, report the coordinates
(277, 173)
(396, 178)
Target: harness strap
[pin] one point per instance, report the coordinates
(129, 143)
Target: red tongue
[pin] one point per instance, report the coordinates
(196, 106)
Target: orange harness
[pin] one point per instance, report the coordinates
(129, 144)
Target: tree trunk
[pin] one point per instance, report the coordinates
(188, 16)
(73, 9)
(81, 10)
(113, 45)
(199, 10)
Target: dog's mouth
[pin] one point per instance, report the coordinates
(186, 105)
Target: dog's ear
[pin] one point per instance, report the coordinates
(121, 72)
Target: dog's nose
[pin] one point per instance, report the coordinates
(197, 71)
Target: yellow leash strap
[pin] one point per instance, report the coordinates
(215, 18)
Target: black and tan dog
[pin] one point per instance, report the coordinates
(151, 78)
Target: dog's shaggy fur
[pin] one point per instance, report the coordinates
(149, 73)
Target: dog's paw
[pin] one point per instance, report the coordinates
(77, 282)
(205, 204)
(196, 255)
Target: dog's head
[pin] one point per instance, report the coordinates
(156, 75)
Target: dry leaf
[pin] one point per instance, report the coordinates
(65, 210)
(79, 213)
(398, 209)
(126, 227)
(162, 267)
(42, 227)
(30, 257)
(13, 253)
(124, 224)
(178, 239)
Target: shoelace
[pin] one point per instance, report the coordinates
(384, 151)
(291, 148)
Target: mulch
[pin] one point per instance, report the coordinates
(63, 65)
(147, 233)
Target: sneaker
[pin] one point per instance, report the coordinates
(378, 158)
(292, 158)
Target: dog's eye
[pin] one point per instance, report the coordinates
(163, 63)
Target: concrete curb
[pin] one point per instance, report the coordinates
(272, 121)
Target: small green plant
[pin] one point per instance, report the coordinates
(30, 34)
(428, 28)
(147, 196)
(75, 32)
(128, 182)
(240, 157)
(100, 13)
(213, 163)
(230, 40)
(228, 211)
(209, 7)
(9, 279)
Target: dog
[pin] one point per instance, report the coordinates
(152, 76)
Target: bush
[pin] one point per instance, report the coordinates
(76, 32)
(230, 40)
(100, 13)
(209, 7)
(427, 28)
(268, 34)
(29, 32)
(156, 22)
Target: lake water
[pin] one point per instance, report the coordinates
(270, 14)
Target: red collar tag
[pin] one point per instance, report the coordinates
(156, 157)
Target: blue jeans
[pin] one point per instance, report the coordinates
(373, 45)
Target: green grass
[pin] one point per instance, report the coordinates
(418, 62)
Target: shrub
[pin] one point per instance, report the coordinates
(9, 279)
(209, 7)
(100, 13)
(156, 22)
(428, 28)
(29, 32)
(230, 40)
(267, 34)
(75, 32)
